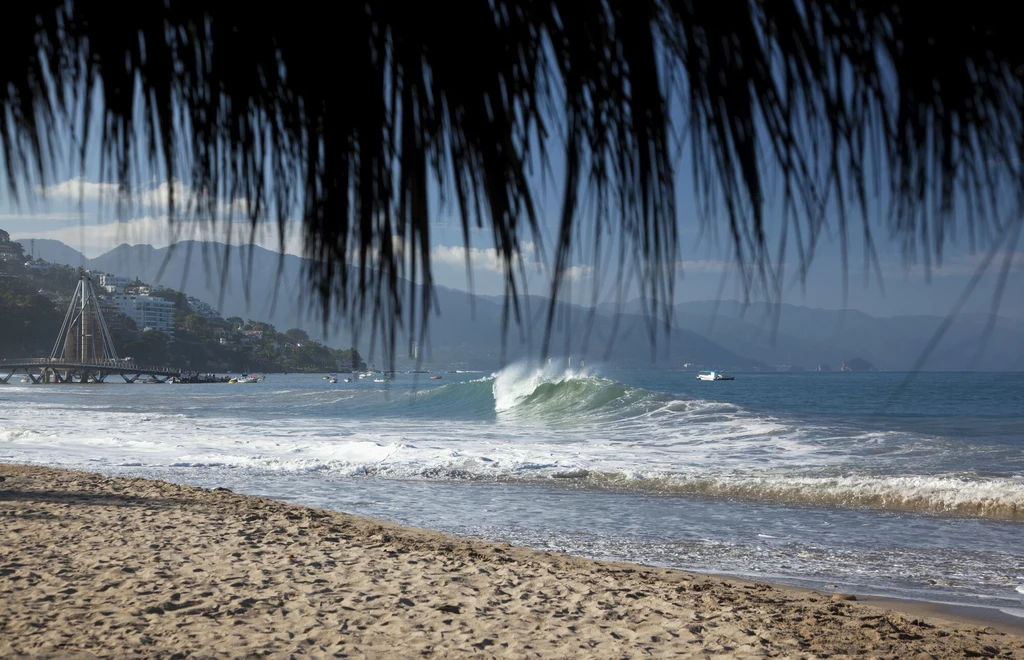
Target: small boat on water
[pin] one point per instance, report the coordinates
(435, 378)
(381, 380)
(713, 375)
(233, 381)
(332, 379)
(348, 380)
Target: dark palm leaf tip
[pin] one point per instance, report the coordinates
(346, 121)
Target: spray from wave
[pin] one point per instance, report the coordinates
(555, 391)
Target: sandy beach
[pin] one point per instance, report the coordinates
(97, 566)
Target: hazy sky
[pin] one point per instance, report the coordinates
(79, 212)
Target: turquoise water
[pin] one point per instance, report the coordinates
(876, 483)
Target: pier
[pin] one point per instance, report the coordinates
(49, 370)
(84, 351)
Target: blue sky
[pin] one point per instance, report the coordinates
(78, 210)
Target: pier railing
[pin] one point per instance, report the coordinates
(118, 364)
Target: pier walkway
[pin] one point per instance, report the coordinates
(58, 370)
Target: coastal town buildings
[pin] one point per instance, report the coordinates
(146, 311)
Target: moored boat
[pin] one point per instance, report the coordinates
(713, 375)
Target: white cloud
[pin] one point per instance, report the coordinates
(78, 188)
(578, 273)
(485, 259)
(153, 200)
(455, 255)
(157, 198)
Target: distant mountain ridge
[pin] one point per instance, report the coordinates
(723, 334)
(225, 278)
(805, 337)
(53, 251)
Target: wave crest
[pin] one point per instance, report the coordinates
(554, 391)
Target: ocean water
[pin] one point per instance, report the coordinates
(870, 483)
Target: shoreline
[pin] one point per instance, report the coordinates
(972, 615)
(119, 566)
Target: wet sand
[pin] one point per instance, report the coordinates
(97, 566)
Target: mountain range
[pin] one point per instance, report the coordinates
(264, 285)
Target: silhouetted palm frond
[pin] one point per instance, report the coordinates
(343, 115)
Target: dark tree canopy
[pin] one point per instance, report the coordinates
(342, 116)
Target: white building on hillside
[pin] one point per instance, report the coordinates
(147, 311)
(113, 283)
(203, 308)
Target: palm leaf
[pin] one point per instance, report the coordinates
(343, 119)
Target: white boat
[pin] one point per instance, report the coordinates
(713, 375)
(348, 380)
(332, 380)
(381, 380)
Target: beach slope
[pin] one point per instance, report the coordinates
(98, 566)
